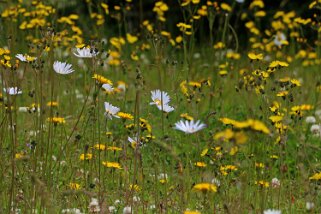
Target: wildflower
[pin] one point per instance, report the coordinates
(102, 80)
(87, 156)
(94, 206)
(125, 116)
(200, 164)
(189, 126)
(131, 39)
(253, 56)
(57, 120)
(62, 67)
(85, 52)
(74, 186)
(270, 211)
(316, 176)
(205, 187)
(161, 100)
(52, 104)
(12, 90)
(111, 110)
(309, 205)
(114, 148)
(114, 165)
(262, 183)
(100, 147)
(186, 116)
(280, 39)
(275, 183)
(127, 210)
(108, 88)
(133, 142)
(191, 212)
(310, 119)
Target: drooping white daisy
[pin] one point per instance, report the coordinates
(62, 67)
(12, 90)
(240, 1)
(111, 111)
(108, 88)
(85, 52)
(270, 211)
(161, 100)
(189, 127)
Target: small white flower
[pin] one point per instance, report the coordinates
(240, 1)
(316, 130)
(111, 110)
(161, 100)
(270, 211)
(117, 201)
(279, 39)
(310, 119)
(12, 90)
(127, 210)
(309, 205)
(216, 182)
(108, 88)
(62, 67)
(275, 183)
(85, 52)
(112, 209)
(189, 126)
(94, 206)
(162, 176)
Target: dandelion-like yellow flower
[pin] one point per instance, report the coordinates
(205, 187)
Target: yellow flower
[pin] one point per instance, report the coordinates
(131, 38)
(200, 164)
(277, 63)
(114, 148)
(100, 146)
(57, 120)
(113, 165)
(125, 116)
(226, 7)
(102, 80)
(87, 156)
(19, 155)
(205, 187)
(74, 186)
(316, 176)
(52, 104)
(134, 187)
(191, 212)
(262, 183)
(219, 45)
(254, 56)
(186, 116)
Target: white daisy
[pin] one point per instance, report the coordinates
(62, 67)
(108, 88)
(161, 100)
(111, 110)
(270, 211)
(12, 90)
(85, 53)
(189, 126)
